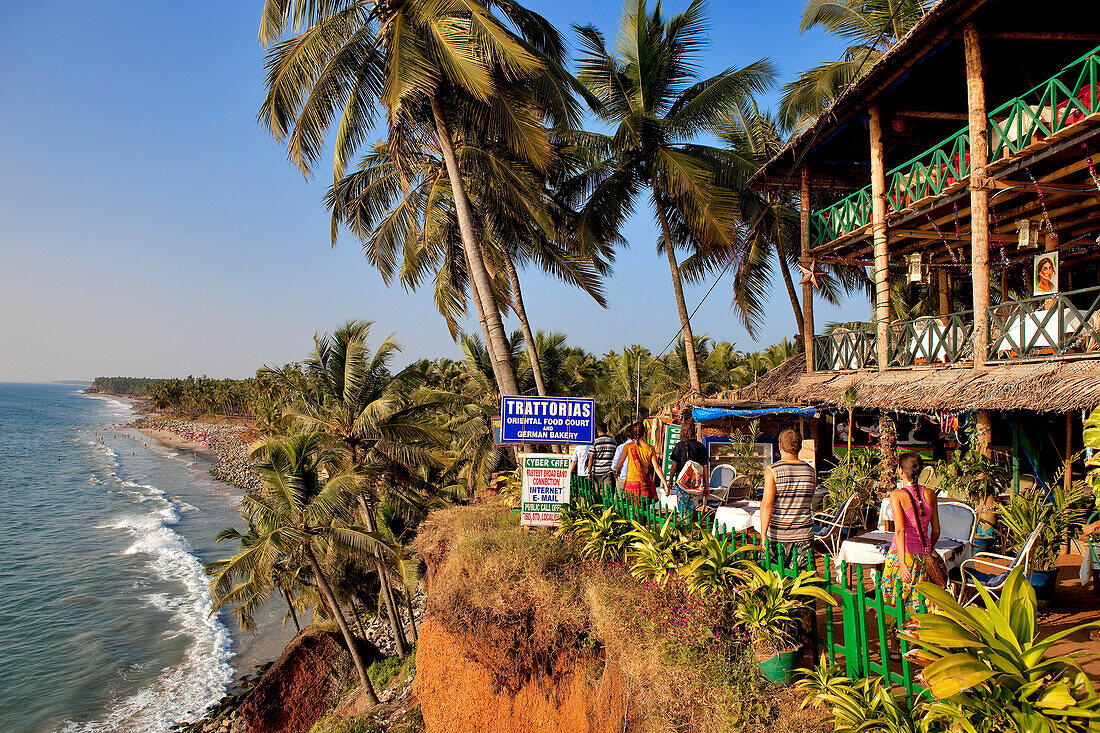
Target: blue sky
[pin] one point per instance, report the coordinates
(149, 226)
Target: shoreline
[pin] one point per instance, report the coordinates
(176, 442)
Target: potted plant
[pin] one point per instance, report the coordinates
(774, 611)
(1062, 512)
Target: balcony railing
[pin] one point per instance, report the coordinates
(1063, 100)
(1058, 325)
(931, 340)
(845, 349)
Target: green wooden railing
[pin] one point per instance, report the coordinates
(1046, 325)
(1057, 103)
(845, 349)
(855, 632)
(931, 340)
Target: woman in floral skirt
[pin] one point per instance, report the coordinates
(904, 567)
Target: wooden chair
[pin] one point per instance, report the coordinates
(1001, 565)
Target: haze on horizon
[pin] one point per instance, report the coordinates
(152, 228)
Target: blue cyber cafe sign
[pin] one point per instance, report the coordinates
(547, 419)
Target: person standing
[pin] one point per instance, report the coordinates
(786, 511)
(579, 459)
(620, 474)
(640, 458)
(601, 459)
(912, 541)
(688, 449)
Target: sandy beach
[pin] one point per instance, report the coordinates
(175, 442)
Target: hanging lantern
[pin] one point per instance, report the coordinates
(1027, 235)
(916, 267)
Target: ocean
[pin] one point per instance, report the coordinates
(105, 617)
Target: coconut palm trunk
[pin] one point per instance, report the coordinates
(293, 613)
(678, 288)
(789, 284)
(412, 617)
(504, 370)
(338, 614)
(384, 583)
(521, 313)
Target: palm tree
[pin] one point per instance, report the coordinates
(646, 89)
(432, 66)
(299, 514)
(352, 397)
(872, 27)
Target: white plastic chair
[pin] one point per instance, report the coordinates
(1004, 564)
(832, 529)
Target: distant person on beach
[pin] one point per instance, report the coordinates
(786, 511)
(601, 459)
(639, 457)
(688, 450)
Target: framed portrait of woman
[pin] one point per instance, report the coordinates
(1045, 281)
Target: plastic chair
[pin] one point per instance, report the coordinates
(832, 529)
(721, 476)
(1004, 564)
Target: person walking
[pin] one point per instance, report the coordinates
(620, 474)
(639, 458)
(579, 459)
(601, 459)
(688, 450)
(786, 511)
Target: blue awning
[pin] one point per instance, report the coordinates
(706, 414)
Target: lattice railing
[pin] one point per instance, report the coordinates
(931, 340)
(1046, 325)
(844, 349)
(1059, 102)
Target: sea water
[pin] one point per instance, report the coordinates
(106, 622)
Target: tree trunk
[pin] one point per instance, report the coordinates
(353, 648)
(678, 288)
(789, 283)
(412, 616)
(521, 313)
(358, 621)
(293, 613)
(384, 583)
(503, 369)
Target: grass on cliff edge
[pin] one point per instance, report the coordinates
(539, 605)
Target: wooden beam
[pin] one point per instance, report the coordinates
(927, 114)
(880, 274)
(943, 292)
(1041, 36)
(979, 195)
(807, 287)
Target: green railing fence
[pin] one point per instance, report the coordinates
(1055, 324)
(845, 349)
(855, 632)
(931, 340)
(1057, 103)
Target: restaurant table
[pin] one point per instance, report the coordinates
(871, 549)
(1029, 331)
(738, 516)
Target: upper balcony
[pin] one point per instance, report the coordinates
(1049, 109)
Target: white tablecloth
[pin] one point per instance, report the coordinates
(1024, 327)
(738, 517)
(874, 553)
(668, 501)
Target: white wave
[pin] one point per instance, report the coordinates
(185, 691)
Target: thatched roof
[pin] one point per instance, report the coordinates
(1046, 386)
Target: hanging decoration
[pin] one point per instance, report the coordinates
(916, 271)
(1027, 236)
(954, 257)
(812, 273)
(1043, 203)
(958, 229)
(888, 456)
(1092, 168)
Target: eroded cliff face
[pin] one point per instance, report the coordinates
(464, 684)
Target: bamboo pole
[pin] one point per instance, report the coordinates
(878, 235)
(942, 288)
(979, 195)
(807, 286)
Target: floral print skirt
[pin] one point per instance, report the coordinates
(892, 582)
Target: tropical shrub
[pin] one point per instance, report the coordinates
(511, 489)
(604, 534)
(1091, 438)
(576, 511)
(854, 473)
(1061, 510)
(970, 474)
(719, 568)
(859, 705)
(658, 553)
(773, 608)
(988, 670)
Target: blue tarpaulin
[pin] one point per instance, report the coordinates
(706, 414)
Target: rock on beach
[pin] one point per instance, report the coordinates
(233, 464)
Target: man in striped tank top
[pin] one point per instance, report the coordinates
(786, 512)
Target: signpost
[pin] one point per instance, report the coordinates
(672, 437)
(547, 420)
(544, 480)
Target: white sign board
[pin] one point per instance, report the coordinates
(545, 482)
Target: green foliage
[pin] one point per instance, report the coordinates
(657, 554)
(193, 395)
(719, 568)
(1091, 439)
(355, 724)
(511, 489)
(1062, 512)
(858, 705)
(854, 473)
(772, 609)
(744, 452)
(605, 534)
(989, 671)
(970, 474)
(392, 669)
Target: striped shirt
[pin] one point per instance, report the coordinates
(792, 516)
(603, 455)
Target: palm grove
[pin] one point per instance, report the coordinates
(484, 172)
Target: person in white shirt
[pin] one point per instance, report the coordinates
(579, 459)
(620, 479)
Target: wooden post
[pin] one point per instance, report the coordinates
(878, 234)
(807, 287)
(983, 420)
(979, 195)
(944, 291)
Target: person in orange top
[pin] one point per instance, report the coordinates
(641, 456)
